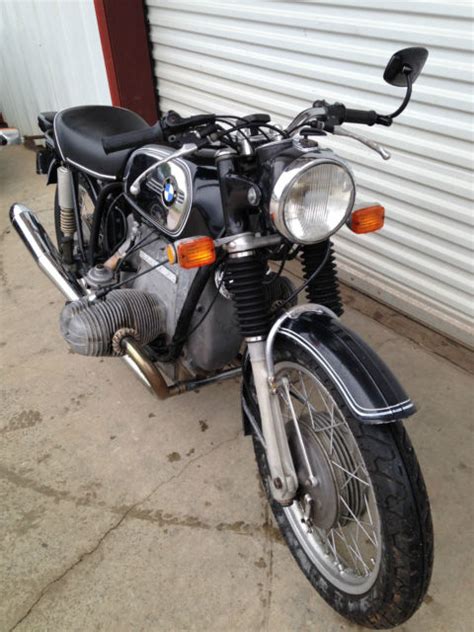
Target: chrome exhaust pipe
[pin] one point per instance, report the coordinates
(43, 251)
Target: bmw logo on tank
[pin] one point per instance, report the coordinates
(169, 191)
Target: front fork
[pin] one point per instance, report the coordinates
(244, 279)
(244, 276)
(284, 481)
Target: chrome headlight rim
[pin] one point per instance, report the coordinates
(284, 184)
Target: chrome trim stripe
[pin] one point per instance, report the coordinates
(357, 408)
(101, 176)
(55, 133)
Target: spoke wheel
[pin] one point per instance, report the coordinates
(335, 519)
(360, 525)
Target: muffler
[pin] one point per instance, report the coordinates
(43, 251)
(46, 255)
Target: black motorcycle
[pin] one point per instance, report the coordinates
(172, 244)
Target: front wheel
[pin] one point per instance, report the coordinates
(362, 533)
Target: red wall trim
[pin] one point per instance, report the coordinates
(124, 39)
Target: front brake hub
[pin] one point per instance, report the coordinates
(324, 508)
(338, 495)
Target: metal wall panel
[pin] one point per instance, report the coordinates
(50, 58)
(239, 57)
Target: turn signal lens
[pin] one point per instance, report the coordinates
(367, 220)
(192, 253)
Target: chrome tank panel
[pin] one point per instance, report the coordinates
(165, 197)
(180, 199)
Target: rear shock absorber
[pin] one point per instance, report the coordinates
(66, 213)
(243, 278)
(324, 289)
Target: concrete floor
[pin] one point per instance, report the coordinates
(121, 513)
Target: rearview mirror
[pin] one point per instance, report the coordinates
(409, 61)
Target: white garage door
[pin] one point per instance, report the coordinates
(50, 58)
(277, 57)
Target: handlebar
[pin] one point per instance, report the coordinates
(128, 140)
(171, 123)
(363, 117)
(334, 114)
(337, 114)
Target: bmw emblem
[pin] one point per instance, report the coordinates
(169, 191)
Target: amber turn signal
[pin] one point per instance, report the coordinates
(193, 252)
(367, 220)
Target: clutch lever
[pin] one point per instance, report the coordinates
(305, 116)
(339, 131)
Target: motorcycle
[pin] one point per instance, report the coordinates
(172, 241)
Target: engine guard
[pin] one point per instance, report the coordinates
(368, 387)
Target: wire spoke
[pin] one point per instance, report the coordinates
(351, 474)
(358, 554)
(369, 512)
(303, 387)
(340, 533)
(357, 521)
(332, 545)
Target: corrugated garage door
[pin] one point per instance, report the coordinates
(50, 58)
(239, 57)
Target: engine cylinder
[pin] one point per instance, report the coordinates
(89, 328)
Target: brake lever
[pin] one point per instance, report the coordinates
(339, 131)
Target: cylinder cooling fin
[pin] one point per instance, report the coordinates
(324, 289)
(89, 328)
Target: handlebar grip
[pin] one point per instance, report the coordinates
(363, 117)
(128, 140)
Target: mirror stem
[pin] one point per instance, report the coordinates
(406, 100)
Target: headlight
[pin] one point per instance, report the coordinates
(312, 199)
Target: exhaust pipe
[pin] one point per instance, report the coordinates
(43, 251)
(46, 255)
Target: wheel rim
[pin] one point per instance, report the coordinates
(336, 522)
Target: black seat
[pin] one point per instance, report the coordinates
(79, 132)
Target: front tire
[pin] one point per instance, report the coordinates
(370, 484)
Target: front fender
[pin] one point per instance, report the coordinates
(367, 385)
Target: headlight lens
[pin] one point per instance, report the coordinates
(311, 199)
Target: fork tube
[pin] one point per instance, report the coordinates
(283, 476)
